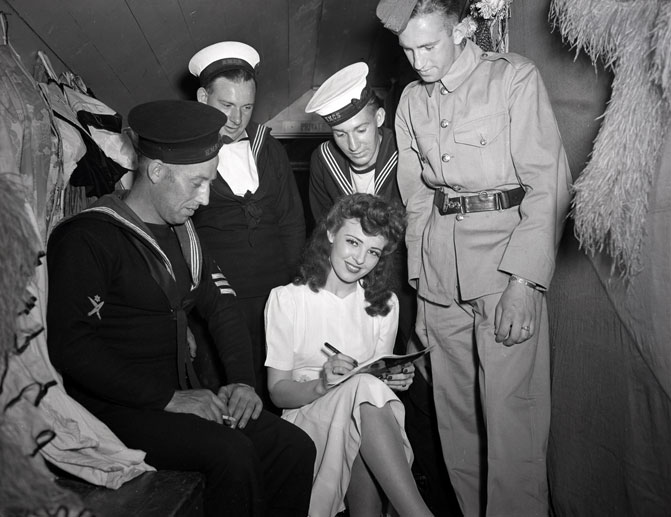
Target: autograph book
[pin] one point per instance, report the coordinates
(381, 365)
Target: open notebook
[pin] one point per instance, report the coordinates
(381, 365)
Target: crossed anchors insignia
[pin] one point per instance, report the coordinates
(97, 305)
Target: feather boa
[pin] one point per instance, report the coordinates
(633, 38)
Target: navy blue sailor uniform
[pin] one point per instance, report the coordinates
(331, 177)
(256, 239)
(118, 300)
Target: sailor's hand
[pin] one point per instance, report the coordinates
(242, 403)
(202, 403)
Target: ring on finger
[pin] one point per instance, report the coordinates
(526, 328)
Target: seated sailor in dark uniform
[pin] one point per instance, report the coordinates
(136, 257)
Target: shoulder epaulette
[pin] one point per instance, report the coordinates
(515, 60)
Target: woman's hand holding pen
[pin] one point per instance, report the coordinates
(335, 366)
(399, 378)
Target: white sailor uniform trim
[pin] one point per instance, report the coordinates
(386, 171)
(220, 281)
(259, 138)
(194, 245)
(344, 182)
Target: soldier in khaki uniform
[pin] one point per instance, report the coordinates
(485, 179)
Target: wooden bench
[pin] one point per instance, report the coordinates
(165, 493)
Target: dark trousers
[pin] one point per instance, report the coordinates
(264, 469)
(207, 364)
(428, 468)
(253, 311)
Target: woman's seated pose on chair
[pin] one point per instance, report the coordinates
(342, 297)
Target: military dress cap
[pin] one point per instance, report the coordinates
(219, 57)
(178, 132)
(342, 95)
(395, 14)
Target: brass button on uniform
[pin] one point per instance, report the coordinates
(460, 217)
(443, 90)
(446, 157)
(483, 141)
(484, 54)
(444, 123)
(457, 188)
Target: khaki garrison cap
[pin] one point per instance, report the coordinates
(395, 14)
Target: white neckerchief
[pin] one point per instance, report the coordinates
(237, 166)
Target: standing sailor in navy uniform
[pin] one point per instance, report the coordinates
(254, 225)
(362, 157)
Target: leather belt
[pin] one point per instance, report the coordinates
(483, 202)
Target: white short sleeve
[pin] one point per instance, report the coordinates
(280, 316)
(388, 329)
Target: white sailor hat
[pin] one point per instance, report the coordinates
(342, 95)
(219, 57)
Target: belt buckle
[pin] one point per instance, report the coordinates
(501, 201)
(486, 196)
(454, 203)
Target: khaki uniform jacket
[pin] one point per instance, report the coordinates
(488, 124)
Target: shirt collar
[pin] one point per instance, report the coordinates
(243, 136)
(462, 67)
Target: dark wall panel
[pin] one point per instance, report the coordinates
(71, 43)
(304, 17)
(346, 32)
(577, 89)
(167, 30)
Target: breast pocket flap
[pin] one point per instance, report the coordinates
(481, 131)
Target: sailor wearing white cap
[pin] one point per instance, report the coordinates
(254, 224)
(236, 63)
(362, 156)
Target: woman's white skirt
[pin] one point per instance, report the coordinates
(333, 421)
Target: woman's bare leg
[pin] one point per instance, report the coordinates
(382, 451)
(363, 493)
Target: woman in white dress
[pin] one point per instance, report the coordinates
(343, 297)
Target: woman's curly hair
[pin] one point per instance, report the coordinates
(377, 217)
